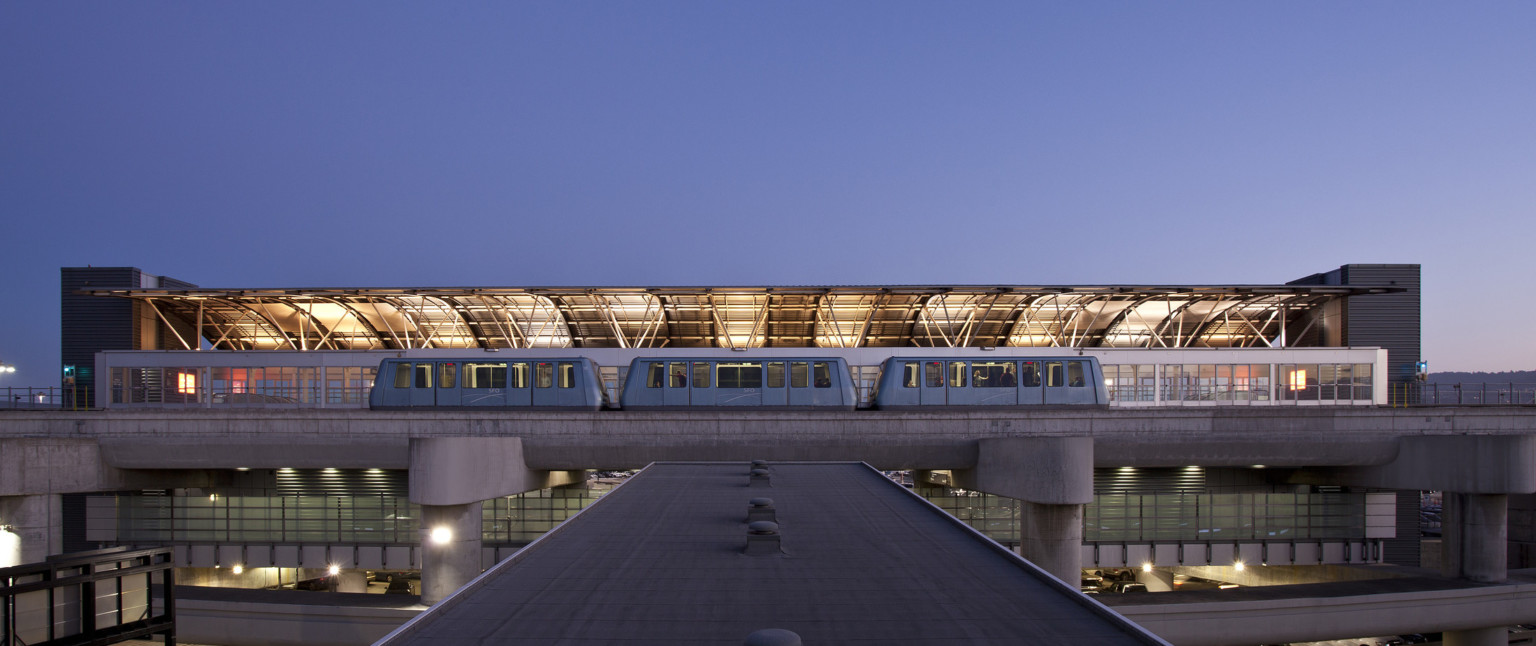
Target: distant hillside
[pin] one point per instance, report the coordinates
(1510, 376)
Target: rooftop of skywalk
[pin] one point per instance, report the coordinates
(354, 318)
(661, 560)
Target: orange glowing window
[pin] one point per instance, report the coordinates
(186, 383)
(1298, 380)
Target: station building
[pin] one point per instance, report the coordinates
(1344, 337)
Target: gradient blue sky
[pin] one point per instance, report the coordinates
(768, 142)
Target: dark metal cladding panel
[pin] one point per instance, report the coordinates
(1405, 548)
(1390, 321)
(91, 324)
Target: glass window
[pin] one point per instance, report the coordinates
(799, 374)
(567, 374)
(700, 375)
(448, 373)
(743, 375)
(653, 374)
(1363, 381)
(822, 374)
(519, 375)
(544, 374)
(485, 375)
(1258, 375)
(423, 375)
(909, 374)
(1077, 374)
(957, 374)
(402, 376)
(993, 374)
(933, 374)
(1029, 375)
(1055, 376)
(776, 374)
(677, 374)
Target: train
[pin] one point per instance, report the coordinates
(737, 383)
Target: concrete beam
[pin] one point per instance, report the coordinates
(32, 466)
(463, 470)
(1042, 470)
(1474, 464)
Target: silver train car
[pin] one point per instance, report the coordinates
(739, 383)
(924, 382)
(527, 384)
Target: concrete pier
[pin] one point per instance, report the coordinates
(450, 548)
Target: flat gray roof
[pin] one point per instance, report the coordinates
(660, 559)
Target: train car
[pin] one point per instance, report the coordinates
(1002, 382)
(489, 384)
(739, 383)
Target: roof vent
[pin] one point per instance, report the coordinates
(772, 637)
(762, 538)
(759, 478)
(761, 509)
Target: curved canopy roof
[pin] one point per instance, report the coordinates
(742, 317)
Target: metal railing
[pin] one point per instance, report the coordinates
(34, 398)
(1474, 394)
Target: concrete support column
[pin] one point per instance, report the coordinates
(1475, 530)
(1495, 636)
(1051, 536)
(450, 548)
(36, 528)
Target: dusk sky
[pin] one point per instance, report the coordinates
(771, 142)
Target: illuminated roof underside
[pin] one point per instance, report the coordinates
(741, 317)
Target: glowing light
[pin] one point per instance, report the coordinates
(441, 535)
(1146, 567)
(186, 383)
(334, 570)
(238, 569)
(1237, 565)
(1298, 379)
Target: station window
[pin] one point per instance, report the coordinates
(933, 374)
(1054, 375)
(543, 374)
(654, 374)
(799, 374)
(1029, 375)
(677, 375)
(775, 374)
(909, 372)
(743, 375)
(519, 375)
(993, 374)
(567, 374)
(822, 374)
(485, 375)
(447, 373)
(700, 375)
(957, 374)
(423, 375)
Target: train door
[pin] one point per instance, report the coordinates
(448, 391)
(932, 391)
(676, 392)
(1066, 382)
(419, 381)
(483, 384)
(800, 384)
(569, 386)
(775, 384)
(519, 384)
(824, 390)
(1031, 388)
(544, 392)
(994, 383)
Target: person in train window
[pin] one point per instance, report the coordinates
(1007, 379)
(1031, 374)
(679, 379)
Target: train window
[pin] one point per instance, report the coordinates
(519, 375)
(775, 374)
(567, 374)
(700, 375)
(909, 374)
(993, 374)
(1029, 377)
(799, 374)
(933, 374)
(742, 375)
(653, 374)
(677, 374)
(1053, 374)
(423, 375)
(957, 374)
(447, 373)
(402, 375)
(543, 374)
(1076, 376)
(485, 375)
(822, 374)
